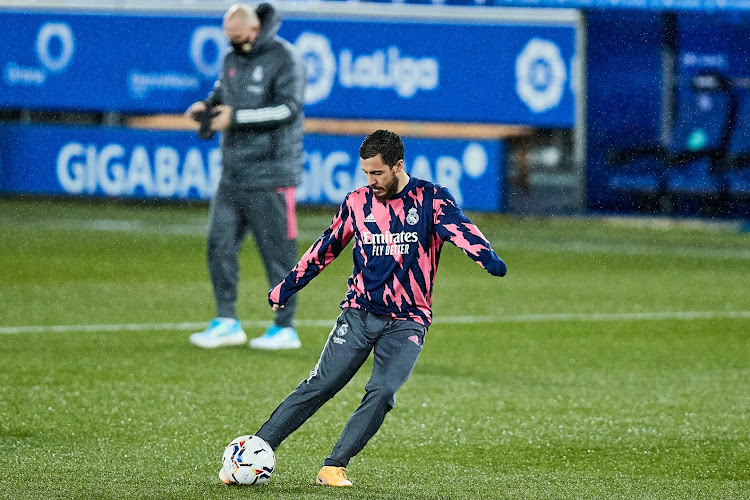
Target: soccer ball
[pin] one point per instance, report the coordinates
(248, 460)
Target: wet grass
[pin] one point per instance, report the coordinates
(530, 405)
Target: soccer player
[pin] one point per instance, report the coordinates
(399, 224)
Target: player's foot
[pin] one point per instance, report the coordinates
(220, 332)
(223, 477)
(332, 476)
(277, 337)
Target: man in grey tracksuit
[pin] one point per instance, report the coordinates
(258, 104)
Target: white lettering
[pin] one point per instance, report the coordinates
(19, 75)
(139, 172)
(328, 178)
(381, 70)
(91, 174)
(340, 180)
(309, 190)
(111, 178)
(166, 161)
(388, 238)
(193, 174)
(64, 34)
(420, 169)
(72, 176)
(118, 172)
(140, 84)
(448, 173)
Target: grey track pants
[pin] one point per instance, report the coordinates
(270, 216)
(395, 344)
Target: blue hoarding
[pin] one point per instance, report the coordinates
(720, 43)
(435, 71)
(517, 72)
(471, 170)
(92, 62)
(657, 5)
(123, 163)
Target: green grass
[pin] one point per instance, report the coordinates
(508, 406)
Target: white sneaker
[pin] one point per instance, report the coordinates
(220, 332)
(277, 337)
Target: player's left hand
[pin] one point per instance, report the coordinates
(276, 307)
(222, 120)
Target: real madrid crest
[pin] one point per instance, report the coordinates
(412, 217)
(258, 73)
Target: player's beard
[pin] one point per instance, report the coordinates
(389, 190)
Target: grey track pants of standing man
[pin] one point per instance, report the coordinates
(396, 345)
(269, 215)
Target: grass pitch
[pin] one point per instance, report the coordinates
(612, 362)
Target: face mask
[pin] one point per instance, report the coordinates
(242, 47)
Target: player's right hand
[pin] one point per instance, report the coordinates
(196, 107)
(276, 307)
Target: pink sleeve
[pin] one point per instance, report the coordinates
(317, 257)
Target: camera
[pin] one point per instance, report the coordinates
(204, 118)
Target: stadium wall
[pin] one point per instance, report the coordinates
(444, 72)
(438, 76)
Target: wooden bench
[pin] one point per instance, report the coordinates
(359, 127)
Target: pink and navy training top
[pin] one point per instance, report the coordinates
(396, 250)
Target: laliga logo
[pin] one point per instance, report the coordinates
(212, 35)
(383, 69)
(321, 65)
(540, 75)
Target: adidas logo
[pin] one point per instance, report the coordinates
(370, 218)
(414, 339)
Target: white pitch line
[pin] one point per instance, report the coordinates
(564, 317)
(451, 320)
(574, 246)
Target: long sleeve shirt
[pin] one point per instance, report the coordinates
(397, 246)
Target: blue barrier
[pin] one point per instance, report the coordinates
(125, 163)
(654, 5)
(515, 72)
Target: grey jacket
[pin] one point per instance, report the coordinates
(262, 148)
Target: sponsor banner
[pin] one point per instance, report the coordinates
(433, 71)
(107, 62)
(692, 5)
(123, 163)
(713, 43)
(107, 162)
(471, 170)
(512, 72)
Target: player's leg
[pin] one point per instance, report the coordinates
(394, 356)
(274, 225)
(347, 348)
(226, 230)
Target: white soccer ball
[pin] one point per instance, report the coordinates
(248, 460)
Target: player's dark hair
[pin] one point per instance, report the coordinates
(384, 143)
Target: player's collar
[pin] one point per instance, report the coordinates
(406, 189)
